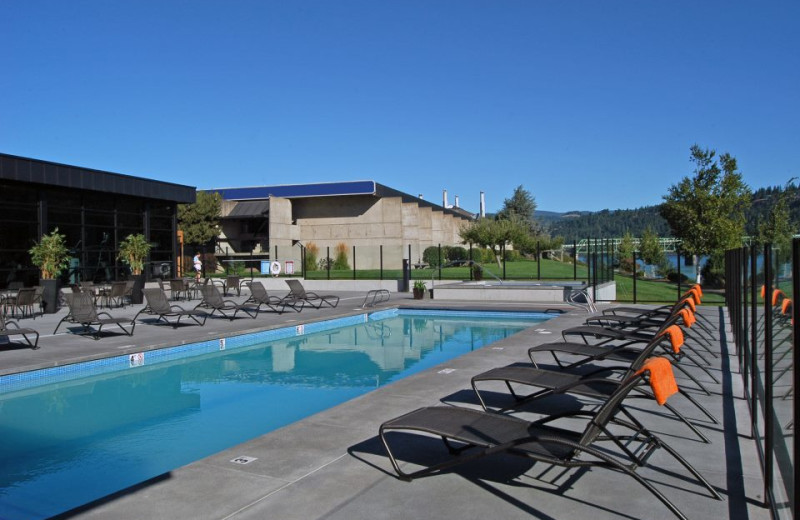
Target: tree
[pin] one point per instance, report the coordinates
(487, 232)
(625, 251)
(653, 253)
(778, 229)
(200, 221)
(520, 206)
(707, 211)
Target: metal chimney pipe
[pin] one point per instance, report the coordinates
(455, 203)
(420, 196)
(483, 205)
(444, 198)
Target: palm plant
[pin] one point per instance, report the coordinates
(50, 254)
(133, 251)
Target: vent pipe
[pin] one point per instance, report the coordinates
(444, 198)
(483, 205)
(420, 196)
(455, 202)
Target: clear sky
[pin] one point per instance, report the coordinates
(586, 104)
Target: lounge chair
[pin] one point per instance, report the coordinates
(259, 296)
(158, 305)
(212, 299)
(82, 311)
(604, 379)
(297, 292)
(472, 434)
(18, 331)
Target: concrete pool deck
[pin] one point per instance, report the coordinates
(331, 465)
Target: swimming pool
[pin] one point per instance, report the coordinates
(71, 435)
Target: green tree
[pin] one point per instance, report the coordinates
(653, 253)
(625, 251)
(521, 204)
(707, 211)
(778, 229)
(200, 221)
(494, 234)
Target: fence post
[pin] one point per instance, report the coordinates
(680, 273)
(470, 261)
(328, 261)
(574, 260)
(302, 262)
(381, 257)
(538, 261)
(354, 262)
(440, 261)
(634, 277)
(503, 254)
(769, 415)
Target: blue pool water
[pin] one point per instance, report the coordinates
(75, 434)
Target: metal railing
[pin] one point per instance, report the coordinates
(760, 290)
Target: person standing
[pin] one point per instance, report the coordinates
(198, 266)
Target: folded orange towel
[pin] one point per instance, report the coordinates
(675, 337)
(786, 306)
(662, 380)
(691, 304)
(696, 287)
(776, 296)
(688, 316)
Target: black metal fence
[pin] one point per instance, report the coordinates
(761, 283)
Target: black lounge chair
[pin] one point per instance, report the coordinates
(212, 299)
(18, 331)
(259, 296)
(471, 434)
(298, 292)
(604, 380)
(82, 311)
(158, 305)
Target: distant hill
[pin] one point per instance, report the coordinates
(575, 225)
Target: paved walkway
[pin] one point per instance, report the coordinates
(331, 465)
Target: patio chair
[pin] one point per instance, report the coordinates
(179, 288)
(82, 311)
(24, 300)
(230, 283)
(604, 379)
(16, 330)
(259, 296)
(158, 305)
(297, 292)
(470, 434)
(212, 299)
(116, 294)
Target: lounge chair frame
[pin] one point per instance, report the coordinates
(212, 299)
(158, 305)
(298, 292)
(18, 331)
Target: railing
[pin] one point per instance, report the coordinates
(761, 284)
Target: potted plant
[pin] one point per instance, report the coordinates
(51, 256)
(133, 251)
(477, 272)
(419, 289)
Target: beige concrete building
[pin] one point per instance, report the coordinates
(376, 225)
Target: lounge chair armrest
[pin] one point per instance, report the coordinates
(14, 323)
(103, 313)
(176, 308)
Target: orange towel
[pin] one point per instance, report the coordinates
(688, 316)
(675, 337)
(776, 295)
(763, 291)
(698, 297)
(696, 287)
(691, 304)
(785, 306)
(662, 380)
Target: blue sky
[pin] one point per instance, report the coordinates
(586, 104)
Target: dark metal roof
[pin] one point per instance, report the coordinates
(250, 209)
(330, 189)
(289, 191)
(36, 171)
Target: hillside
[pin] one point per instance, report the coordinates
(575, 225)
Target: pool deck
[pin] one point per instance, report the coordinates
(332, 465)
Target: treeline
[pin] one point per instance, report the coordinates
(614, 223)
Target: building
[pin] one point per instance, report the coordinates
(378, 226)
(94, 209)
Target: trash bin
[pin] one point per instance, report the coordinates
(405, 283)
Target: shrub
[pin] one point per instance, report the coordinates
(340, 261)
(457, 253)
(512, 255)
(312, 253)
(431, 256)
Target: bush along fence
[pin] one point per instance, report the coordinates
(760, 286)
